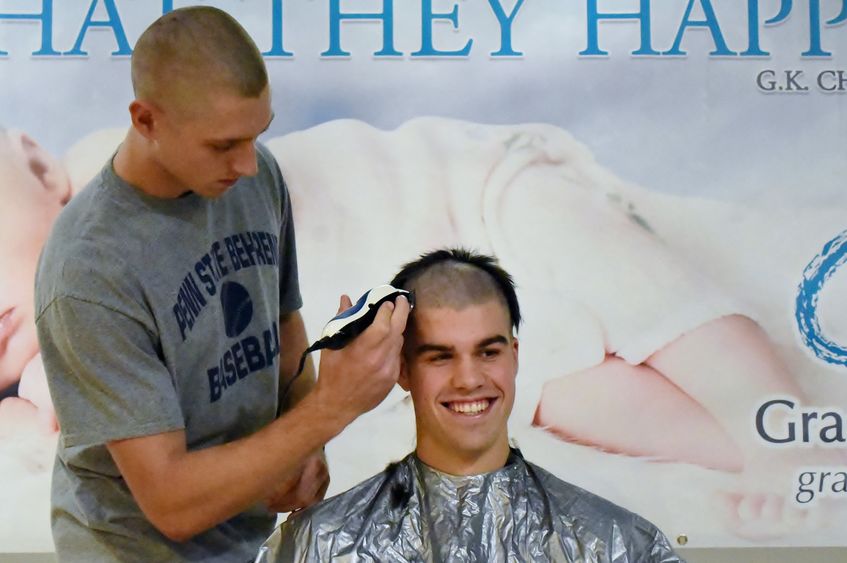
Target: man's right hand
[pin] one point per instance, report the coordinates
(358, 377)
(180, 491)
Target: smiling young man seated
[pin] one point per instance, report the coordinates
(464, 494)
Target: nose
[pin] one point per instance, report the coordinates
(467, 375)
(244, 160)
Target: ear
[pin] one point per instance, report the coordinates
(145, 118)
(515, 350)
(403, 380)
(49, 172)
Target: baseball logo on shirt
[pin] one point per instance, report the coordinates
(237, 308)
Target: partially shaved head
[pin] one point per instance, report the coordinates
(457, 278)
(194, 51)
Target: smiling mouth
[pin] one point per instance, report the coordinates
(469, 408)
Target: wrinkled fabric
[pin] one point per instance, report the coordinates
(411, 512)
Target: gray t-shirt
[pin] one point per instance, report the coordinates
(157, 315)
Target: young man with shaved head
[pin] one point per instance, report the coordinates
(167, 306)
(464, 494)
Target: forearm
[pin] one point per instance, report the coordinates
(186, 493)
(301, 386)
(294, 343)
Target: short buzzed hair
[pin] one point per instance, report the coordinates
(200, 46)
(457, 277)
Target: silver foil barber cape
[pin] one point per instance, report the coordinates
(411, 512)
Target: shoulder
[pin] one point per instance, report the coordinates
(342, 505)
(270, 174)
(266, 157)
(596, 514)
(343, 517)
(268, 163)
(85, 255)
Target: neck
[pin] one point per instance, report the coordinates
(135, 165)
(465, 463)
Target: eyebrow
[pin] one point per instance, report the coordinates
(426, 348)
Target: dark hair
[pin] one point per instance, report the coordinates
(503, 281)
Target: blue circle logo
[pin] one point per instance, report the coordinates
(820, 269)
(237, 307)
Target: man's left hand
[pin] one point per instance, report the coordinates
(304, 488)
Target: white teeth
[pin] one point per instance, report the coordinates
(474, 407)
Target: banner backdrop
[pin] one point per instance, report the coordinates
(662, 177)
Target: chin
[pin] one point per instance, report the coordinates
(472, 450)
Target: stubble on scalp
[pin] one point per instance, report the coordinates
(193, 52)
(454, 285)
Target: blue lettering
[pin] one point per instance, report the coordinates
(215, 390)
(784, 12)
(194, 297)
(243, 358)
(271, 337)
(386, 16)
(253, 353)
(230, 375)
(189, 304)
(243, 258)
(233, 253)
(710, 22)
(815, 49)
(277, 50)
(266, 248)
(273, 240)
(841, 17)
(200, 268)
(753, 48)
(249, 251)
(258, 249)
(427, 18)
(240, 364)
(114, 22)
(505, 28)
(45, 16)
(594, 17)
(219, 259)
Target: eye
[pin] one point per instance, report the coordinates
(222, 147)
(439, 358)
(490, 353)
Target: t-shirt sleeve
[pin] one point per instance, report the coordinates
(289, 282)
(105, 368)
